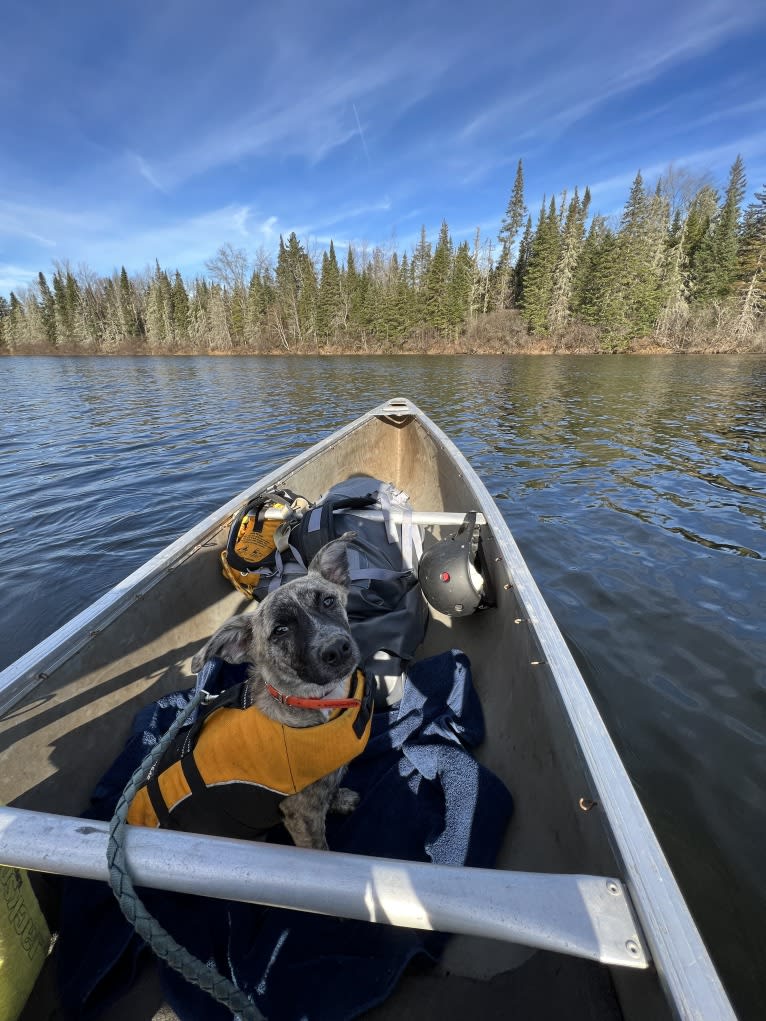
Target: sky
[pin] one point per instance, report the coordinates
(161, 130)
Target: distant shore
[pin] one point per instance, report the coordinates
(462, 347)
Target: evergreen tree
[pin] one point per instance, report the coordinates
(597, 283)
(4, 314)
(129, 306)
(717, 263)
(159, 319)
(296, 292)
(751, 282)
(15, 323)
(522, 263)
(329, 313)
(515, 215)
(63, 327)
(351, 294)
(180, 309)
(199, 320)
(538, 279)
(437, 283)
(421, 261)
(256, 314)
(703, 209)
(566, 266)
(459, 293)
(674, 283)
(752, 254)
(403, 311)
(47, 309)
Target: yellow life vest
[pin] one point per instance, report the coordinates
(227, 775)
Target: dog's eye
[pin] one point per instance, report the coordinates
(280, 629)
(329, 601)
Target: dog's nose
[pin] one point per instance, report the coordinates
(336, 650)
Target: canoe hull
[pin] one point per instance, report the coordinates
(75, 695)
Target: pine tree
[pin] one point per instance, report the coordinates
(4, 314)
(459, 291)
(180, 310)
(34, 330)
(716, 264)
(515, 214)
(15, 323)
(437, 283)
(421, 261)
(566, 266)
(199, 321)
(329, 313)
(159, 324)
(538, 279)
(63, 325)
(296, 293)
(256, 312)
(130, 307)
(596, 281)
(403, 300)
(751, 284)
(703, 209)
(47, 309)
(674, 281)
(350, 294)
(522, 263)
(635, 302)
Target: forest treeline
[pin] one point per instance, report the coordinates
(684, 269)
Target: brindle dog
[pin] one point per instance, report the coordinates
(298, 640)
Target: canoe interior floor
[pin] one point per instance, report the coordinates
(547, 987)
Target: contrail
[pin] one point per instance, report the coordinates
(361, 133)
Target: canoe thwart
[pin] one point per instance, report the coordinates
(584, 916)
(425, 518)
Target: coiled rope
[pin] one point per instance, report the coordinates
(148, 928)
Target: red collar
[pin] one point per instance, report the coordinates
(312, 703)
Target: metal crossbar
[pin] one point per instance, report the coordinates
(425, 518)
(585, 916)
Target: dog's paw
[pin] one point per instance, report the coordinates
(345, 801)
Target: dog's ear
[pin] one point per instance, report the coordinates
(332, 560)
(231, 642)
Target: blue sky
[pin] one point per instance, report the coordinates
(160, 130)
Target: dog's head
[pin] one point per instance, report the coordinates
(298, 638)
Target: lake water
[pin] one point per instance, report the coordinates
(635, 487)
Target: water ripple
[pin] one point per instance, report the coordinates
(635, 488)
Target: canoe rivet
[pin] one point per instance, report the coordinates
(632, 947)
(518, 620)
(537, 662)
(613, 888)
(498, 559)
(42, 677)
(586, 804)
(507, 586)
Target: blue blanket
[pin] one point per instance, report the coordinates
(423, 797)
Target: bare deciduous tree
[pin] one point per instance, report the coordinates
(229, 267)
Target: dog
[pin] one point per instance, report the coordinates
(300, 649)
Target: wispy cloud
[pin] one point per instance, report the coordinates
(336, 121)
(146, 172)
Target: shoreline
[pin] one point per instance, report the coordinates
(344, 352)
